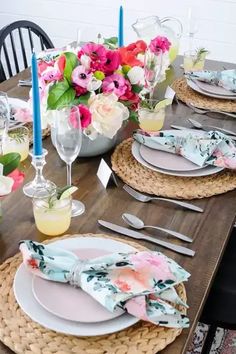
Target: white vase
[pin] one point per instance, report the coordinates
(91, 148)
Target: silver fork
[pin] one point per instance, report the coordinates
(205, 111)
(145, 198)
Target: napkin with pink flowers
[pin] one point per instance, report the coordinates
(202, 148)
(141, 283)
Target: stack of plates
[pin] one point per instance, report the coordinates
(63, 308)
(170, 164)
(211, 90)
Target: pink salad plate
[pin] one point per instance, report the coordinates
(166, 160)
(71, 303)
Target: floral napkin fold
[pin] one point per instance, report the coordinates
(141, 283)
(225, 78)
(206, 148)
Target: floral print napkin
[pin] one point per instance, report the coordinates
(206, 148)
(141, 283)
(225, 78)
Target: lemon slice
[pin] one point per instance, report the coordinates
(67, 191)
(162, 104)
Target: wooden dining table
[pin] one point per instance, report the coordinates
(209, 230)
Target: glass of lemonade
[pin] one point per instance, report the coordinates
(151, 118)
(17, 140)
(193, 62)
(52, 216)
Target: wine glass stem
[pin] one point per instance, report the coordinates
(68, 167)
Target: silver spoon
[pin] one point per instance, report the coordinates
(210, 127)
(137, 223)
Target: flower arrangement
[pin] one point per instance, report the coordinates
(106, 83)
(11, 177)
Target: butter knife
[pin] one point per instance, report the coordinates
(140, 236)
(179, 127)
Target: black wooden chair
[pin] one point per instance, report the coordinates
(17, 41)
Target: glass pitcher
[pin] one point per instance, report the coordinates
(149, 27)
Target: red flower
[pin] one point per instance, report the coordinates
(85, 116)
(112, 61)
(61, 63)
(130, 96)
(80, 90)
(18, 178)
(32, 263)
(129, 54)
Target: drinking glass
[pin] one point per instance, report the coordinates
(52, 216)
(68, 139)
(151, 119)
(152, 70)
(192, 62)
(4, 117)
(17, 140)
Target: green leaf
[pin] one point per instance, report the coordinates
(111, 42)
(83, 99)
(133, 116)
(71, 63)
(136, 88)
(10, 162)
(60, 94)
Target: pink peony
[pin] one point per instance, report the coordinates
(114, 83)
(97, 54)
(85, 116)
(112, 61)
(51, 74)
(81, 76)
(43, 65)
(159, 44)
(18, 178)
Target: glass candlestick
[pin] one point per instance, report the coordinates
(39, 187)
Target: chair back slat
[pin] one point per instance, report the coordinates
(41, 42)
(31, 40)
(14, 53)
(15, 50)
(22, 48)
(7, 59)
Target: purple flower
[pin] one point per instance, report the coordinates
(114, 83)
(159, 44)
(81, 76)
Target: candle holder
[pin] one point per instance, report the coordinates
(39, 187)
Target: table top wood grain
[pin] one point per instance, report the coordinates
(210, 230)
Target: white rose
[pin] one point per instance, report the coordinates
(136, 76)
(6, 184)
(107, 114)
(94, 84)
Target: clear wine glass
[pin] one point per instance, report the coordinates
(68, 140)
(4, 117)
(152, 70)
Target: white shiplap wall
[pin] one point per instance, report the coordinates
(61, 19)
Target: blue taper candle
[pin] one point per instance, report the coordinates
(121, 29)
(37, 131)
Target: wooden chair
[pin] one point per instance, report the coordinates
(15, 39)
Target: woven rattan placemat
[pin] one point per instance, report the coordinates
(45, 132)
(23, 336)
(188, 95)
(149, 181)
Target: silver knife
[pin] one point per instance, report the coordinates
(179, 127)
(139, 236)
(208, 128)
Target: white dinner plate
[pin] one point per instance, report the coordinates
(214, 89)
(22, 287)
(64, 300)
(209, 170)
(196, 88)
(166, 160)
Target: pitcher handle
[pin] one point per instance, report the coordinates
(180, 26)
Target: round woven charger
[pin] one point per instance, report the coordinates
(22, 335)
(188, 95)
(152, 182)
(45, 132)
